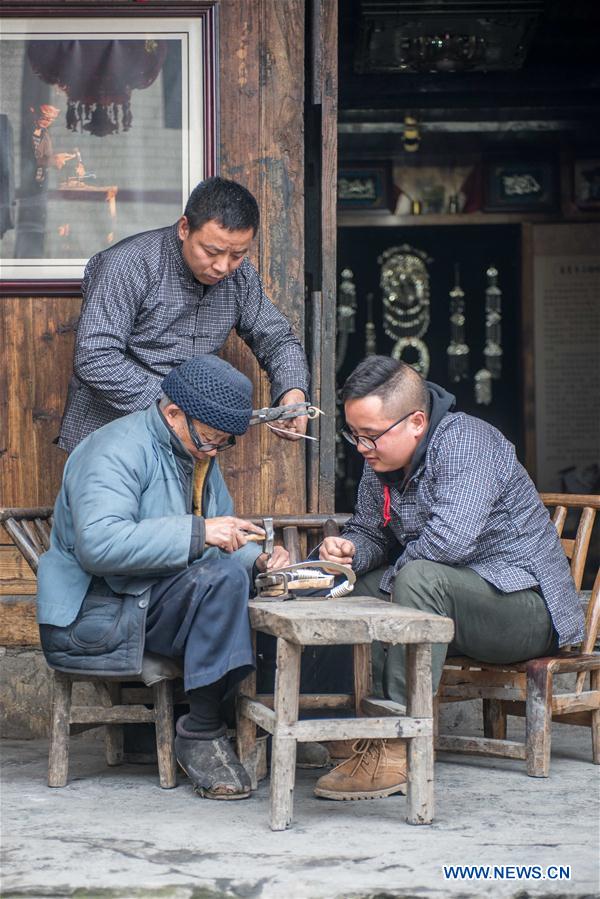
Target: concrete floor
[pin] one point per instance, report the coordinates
(114, 833)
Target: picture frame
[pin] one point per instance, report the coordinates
(517, 185)
(109, 121)
(586, 184)
(365, 187)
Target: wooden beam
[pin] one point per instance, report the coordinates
(118, 714)
(481, 746)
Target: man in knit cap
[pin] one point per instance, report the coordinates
(147, 555)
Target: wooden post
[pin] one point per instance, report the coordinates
(291, 541)
(321, 153)
(494, 719)
(314, 428)
(595, 685)
(58, 756)
(113, 733)
(165, 733)
(363, 674)
(538, 717)
(245, 729)
(283, 761)
(419, 704)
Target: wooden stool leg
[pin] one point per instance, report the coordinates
(595, 685)
(419, 704)
(538, 718)
(245, 729)
(60, 730)
(494, 719)
(283, 760)
(114, 736)
(363, 675)
(165, 733)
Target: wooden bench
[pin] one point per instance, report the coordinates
(357, 621)
(528, 689)
(120, 700)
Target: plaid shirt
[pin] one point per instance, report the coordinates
(144, 313)
(469, 504)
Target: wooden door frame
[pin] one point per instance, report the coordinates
(321, 188)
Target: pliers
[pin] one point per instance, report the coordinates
(277, 413)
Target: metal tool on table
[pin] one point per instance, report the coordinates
(283, 583)
(268, 540)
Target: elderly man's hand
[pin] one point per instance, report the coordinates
(294, 427)
(278, 559)
(227, 532)
(337, 549)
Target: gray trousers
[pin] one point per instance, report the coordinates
(490, 626)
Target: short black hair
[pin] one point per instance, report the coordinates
(395, 382)
(226, 202)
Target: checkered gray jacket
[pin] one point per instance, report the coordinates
(143, 313)
(469, 504)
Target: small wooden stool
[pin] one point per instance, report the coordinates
(120, 701)
(356, 620)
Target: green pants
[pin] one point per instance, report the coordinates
(490, 626)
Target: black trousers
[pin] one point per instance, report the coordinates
(200, 616)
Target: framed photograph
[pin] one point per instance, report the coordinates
(586, 183)
(365, 187)
(108, 122)
(527, 186)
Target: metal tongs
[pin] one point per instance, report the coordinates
(278, 413)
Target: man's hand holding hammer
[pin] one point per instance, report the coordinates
(230, 533)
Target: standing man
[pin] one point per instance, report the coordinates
(147, 554)
(160, 297)
(443, 496)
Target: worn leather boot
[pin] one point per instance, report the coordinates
(211, 764)
(376, 769)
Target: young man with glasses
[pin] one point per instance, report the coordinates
(448, 522)
(147, 555)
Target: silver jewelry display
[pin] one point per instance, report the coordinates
(346, 315)
(370, 336)
(458, 351)
(483, 387)
(404, 280)
(493, 324)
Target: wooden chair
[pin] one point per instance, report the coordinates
(357, 621)
(120, 700)
(527, 689)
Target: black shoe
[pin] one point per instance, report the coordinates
(211, 764)
(312, 755)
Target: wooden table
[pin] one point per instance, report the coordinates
(359, 621)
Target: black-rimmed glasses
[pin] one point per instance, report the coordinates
(207, 447)
(371, 442)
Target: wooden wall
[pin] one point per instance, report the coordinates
(261, 62)
(262, 145)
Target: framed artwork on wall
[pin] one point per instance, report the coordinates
(364, 186)
(586, 183)
(108, 122)
(520, 186)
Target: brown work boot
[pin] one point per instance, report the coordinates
(340, 749)
(375, 770)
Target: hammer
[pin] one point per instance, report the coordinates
(268, 540)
